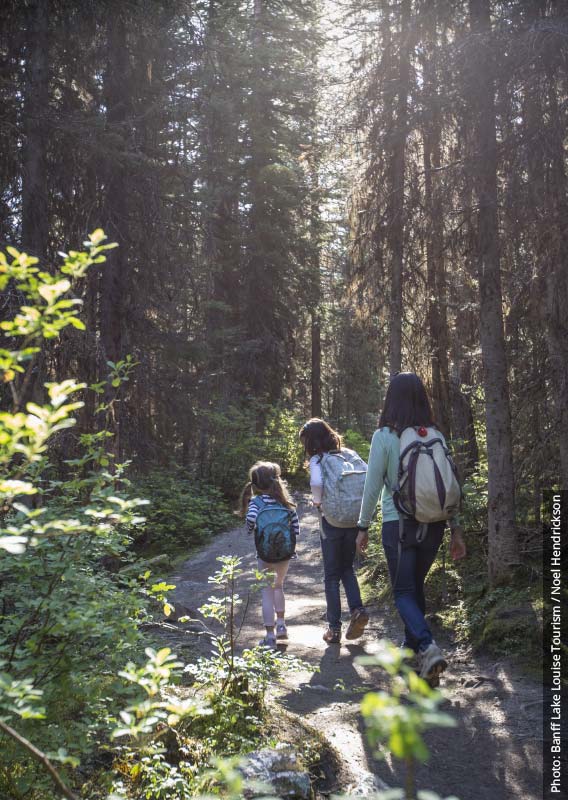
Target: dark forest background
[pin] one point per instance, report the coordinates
(307, 197)
(294, 225)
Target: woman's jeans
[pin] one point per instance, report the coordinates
(415, 562)
(338, 548)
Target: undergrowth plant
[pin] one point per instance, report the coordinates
(141, 766)
(234, 683)
(236, 442)
(184, 513)
(398, 718)
(67, 624)
(177, 741)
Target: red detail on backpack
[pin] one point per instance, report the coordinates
(422, 431)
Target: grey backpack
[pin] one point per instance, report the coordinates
(344, 476)
(428, 486)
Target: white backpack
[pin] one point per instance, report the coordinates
(428, 486)
(344, 476)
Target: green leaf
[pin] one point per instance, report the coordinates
(14, 544)
(50, 292)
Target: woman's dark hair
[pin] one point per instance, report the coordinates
(406, 404)
(318, 437)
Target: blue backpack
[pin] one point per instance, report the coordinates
(274, 536)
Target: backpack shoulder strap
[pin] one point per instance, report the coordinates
(328, 455)
(259, 502)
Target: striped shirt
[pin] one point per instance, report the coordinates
(253, 510)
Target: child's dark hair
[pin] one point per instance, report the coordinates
(318, 437)
(264, 478)
(406, 404)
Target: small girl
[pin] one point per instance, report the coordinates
(266, 484)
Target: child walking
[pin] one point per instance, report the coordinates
(271, 515)
(338, 541)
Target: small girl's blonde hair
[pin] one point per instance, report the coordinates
(264, 478)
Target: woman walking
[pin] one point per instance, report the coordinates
(406, 406)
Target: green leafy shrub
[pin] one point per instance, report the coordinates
(183, 513)
(398, 718)
(356, 441)
(174, 736)
(282, 442)
(236, 442)
(235, 685)
(67, 623)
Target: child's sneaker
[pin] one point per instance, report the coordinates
(332, 636)
(268, 641)
(432, 664)
(357, 623)
(281, 630)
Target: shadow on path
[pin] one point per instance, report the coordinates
(493, 753)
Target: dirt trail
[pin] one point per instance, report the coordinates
(493, 754)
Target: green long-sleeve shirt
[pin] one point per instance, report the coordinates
(382, 476)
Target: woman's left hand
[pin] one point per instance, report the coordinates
(457, 544)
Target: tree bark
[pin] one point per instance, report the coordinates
(435, 262)
(316, 365)
(113, 276)
(35, 226)
(556, 277)
(503, 540)
(396, 215)
(114, 284)
(466, 451)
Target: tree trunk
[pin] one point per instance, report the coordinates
(503, 540)
(315, 268)
(466, 451)
(556, 261)
(35, 221)
(316, 365)
(114, 284)
(396, 215)
(35, 226)
(257, 287)
(435, 263)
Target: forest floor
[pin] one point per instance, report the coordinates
(494, 753)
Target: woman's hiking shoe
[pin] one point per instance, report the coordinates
(432, 664)
(281, 630)
(268, 641)
(359, 619)
(332, 636)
